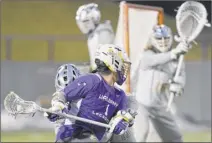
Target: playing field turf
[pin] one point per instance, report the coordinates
(54, 18)
(49, 137)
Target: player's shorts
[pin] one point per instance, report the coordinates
(74, 133)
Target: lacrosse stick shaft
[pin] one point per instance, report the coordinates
(77, 118)
(171, 97)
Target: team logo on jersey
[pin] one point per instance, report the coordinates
(83, 83)
(101, 115)
(107, 99)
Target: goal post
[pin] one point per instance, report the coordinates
(134, 27)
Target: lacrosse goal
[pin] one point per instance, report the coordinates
(133, 31)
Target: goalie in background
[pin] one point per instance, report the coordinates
(88, 20)
(101, 100)
(157, 67)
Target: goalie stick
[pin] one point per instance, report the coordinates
(190, 19)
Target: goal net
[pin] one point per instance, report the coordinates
(133, 32)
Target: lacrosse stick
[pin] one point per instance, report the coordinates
(190, 19)
(15, 105)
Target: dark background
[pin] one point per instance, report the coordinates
(169, 6)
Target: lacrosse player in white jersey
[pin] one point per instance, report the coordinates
(157, 67)
(88, 20)
(66, 73)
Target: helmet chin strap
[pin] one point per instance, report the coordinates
(115, 77)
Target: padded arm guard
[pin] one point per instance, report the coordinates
(59, 99)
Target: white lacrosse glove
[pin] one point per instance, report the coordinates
(129, 116)
(181, 49)
(180, 80)
(176, 88)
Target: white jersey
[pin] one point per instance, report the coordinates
(155, 71)
(103, 34)
(75, 105)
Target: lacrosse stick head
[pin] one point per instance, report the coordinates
(190, 19)
(15, 105)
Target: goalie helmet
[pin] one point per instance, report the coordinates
(65, 74)
(161, 38)
(88, 17)
(115, 59)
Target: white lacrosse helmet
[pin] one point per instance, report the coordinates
(88, 17)
(115, 58)
(161, 38)
(65, 73)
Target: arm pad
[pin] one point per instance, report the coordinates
(58, 97)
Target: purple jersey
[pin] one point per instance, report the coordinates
(100, 101)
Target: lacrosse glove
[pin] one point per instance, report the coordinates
(175, 88)
(181, 49)
(54, 117)
(121, 127)
(122, 121)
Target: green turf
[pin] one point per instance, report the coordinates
(27, 137)
(54, 18)
(197, 137)
(49, 137)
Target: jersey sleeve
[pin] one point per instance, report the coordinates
(105, 33)
(79, 87)
(149, 59)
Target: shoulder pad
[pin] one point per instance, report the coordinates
(100, 78)
(95, 75)
(104, 26)
(117, 87)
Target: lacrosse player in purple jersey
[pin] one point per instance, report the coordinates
(101, 100)
(88, 19)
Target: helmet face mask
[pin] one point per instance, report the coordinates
(161, 38)
(85, 26)
(122, 75)
(65, 74)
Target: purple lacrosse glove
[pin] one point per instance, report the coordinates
(121, 127)
(54, 117)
